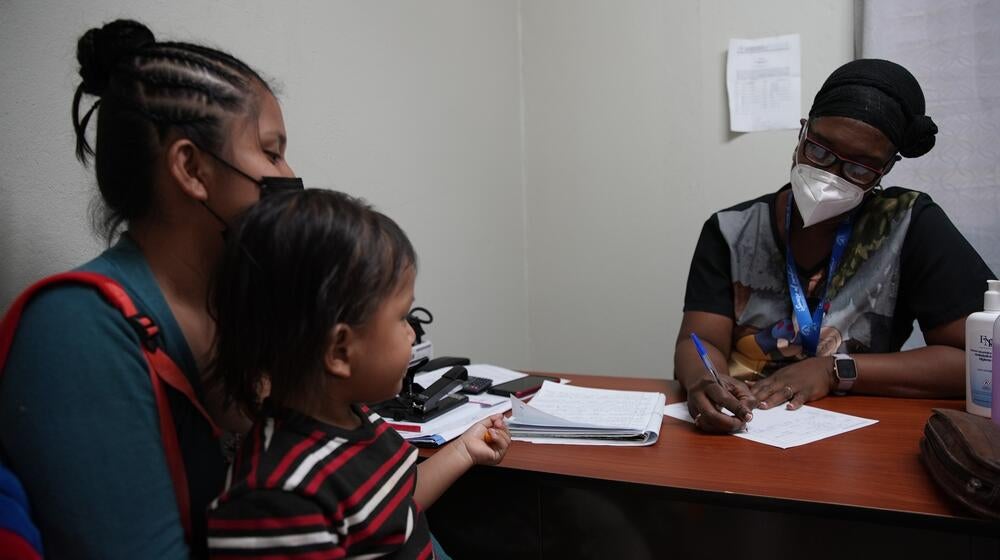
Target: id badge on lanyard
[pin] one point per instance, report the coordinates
(809, 325)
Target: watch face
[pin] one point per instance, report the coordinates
(846, 369)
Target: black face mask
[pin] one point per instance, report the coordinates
(268, 185)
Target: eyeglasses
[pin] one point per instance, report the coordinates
(857, 173)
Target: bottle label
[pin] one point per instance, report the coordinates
(995, 406)
(981, 373)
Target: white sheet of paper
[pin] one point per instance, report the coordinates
(787, 428)
(764, 82)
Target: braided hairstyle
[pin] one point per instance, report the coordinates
(148, 90)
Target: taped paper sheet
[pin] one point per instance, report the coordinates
(764, 82)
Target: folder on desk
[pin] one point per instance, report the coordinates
(568, 415)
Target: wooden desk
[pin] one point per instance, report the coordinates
(867, 476)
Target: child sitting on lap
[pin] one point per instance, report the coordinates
(311, 301)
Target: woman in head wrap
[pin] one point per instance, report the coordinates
(812, 290)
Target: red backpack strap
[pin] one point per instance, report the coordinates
(162, 369)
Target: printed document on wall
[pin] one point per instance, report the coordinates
(764, 82)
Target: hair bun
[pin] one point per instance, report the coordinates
(100, 50)
(919, 137)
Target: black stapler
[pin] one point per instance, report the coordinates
(416, 404)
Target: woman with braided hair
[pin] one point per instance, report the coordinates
(186, 138)
(813, 289)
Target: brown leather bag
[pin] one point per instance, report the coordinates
(962, 453)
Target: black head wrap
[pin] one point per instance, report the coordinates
(884, 95)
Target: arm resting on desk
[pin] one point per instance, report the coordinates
(934, 371)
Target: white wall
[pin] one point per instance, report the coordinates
(951, 48)
(552, 160)
(628, 152)
(413, 105)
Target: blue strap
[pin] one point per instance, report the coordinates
(809, 325)
(15, 513)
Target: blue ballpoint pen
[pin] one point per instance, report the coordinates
(708, 364)
(705, 360)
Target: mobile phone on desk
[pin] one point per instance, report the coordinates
(522, 386)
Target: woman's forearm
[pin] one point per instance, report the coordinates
(935, 371)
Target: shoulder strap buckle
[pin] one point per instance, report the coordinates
(146, 329)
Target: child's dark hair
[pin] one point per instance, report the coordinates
(147, 90)
(296, 265)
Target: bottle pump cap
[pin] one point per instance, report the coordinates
(991, 299)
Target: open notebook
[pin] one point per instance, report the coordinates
(564, 414)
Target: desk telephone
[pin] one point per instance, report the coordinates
(418, 404)
(415, 403)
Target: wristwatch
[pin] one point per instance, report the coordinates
(845, 372)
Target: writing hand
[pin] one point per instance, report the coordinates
(707, 399)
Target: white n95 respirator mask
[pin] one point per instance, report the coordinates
(821, 195)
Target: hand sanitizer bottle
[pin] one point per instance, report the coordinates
(979, 352)
(996, 378)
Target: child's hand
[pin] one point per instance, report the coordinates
(486, 442)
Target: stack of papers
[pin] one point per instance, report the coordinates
(455, 422)
(563, 414)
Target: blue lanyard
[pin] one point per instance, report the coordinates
(809, 325)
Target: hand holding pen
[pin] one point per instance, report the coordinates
(706, 402)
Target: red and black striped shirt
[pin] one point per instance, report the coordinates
(300, 488)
